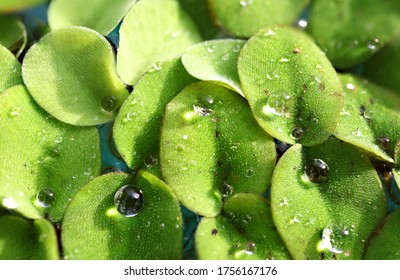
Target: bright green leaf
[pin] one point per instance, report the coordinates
(243, 18)
(370, 117)
(24, 240)
(351, 31)
(94, 229)
(153, 31)
(384, 244)
(326, 201)
(44, 161)
(15, 5)
(138, 124)
(292, 88)
(10, 70)
(212, 147)
(12, 34)
(215, 61)
(102, 16)
(244, 230)
(75, 82)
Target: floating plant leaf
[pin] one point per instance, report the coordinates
(107, 221)
(215, 61)
(198, 11)
(212, 147)
(76, 83)
(153, 31)
(15, 5)
(292, 89)
(396, 170)
(326, 200)
(381, 68)
(370, 118)
(44, 161)
(243, 18)
(10, 70)
(244, 230)
(12, 34)
(102, 16)
(24, 240)
(138, 124)
(383, 244)
(351, 31)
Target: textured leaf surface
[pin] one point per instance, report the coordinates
(102, 16)
(153, 31)
(76, 83)
(38, 152)
(244, 230)
(370, 118)
(14, 5)
(211, 147)
(24, 240)
(12, 34)
(330, 218)
(10, 70)
(292, 89)
(382, 68)
(138, 124)
(351, 31)
(215, 61)
(243, 18)
(94, 229)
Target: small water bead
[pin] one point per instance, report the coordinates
(302, 23)
(373, 44)
(350, 86)
(225, 189)
(211, 48)
(270, 32)
(383, 142)
(157, 65)
(58, 139)
(45, 197)
(128, 200)
(356, 132)
(249, 172)
(250, 248)
(225, 57)
(284, 59)
(335, 238)
(14, 112)
(297, 133)
(109, 103)
(316, 170)
(203, 112)
(245, 3)
(150, 161)
(237, 48)
(347, 109)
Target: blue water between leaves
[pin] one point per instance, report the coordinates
(35, 17)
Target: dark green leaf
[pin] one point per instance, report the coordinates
(12, 34)
(10, 70)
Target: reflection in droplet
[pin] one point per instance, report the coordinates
(203, 112)
(278, 103)
(128, 200)
(347, 109)
(45, 197)
(249, 172)
(157, 65)
(383, 142)
(316, 170)
(109, 103)
(150, 161)
(297, 133)
(225, 189)
(337, 238)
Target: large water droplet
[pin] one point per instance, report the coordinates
(128, 200)
(109, 103)
(225, 189)
(45, 197)
(203, 112)
(277, 103)
(297, 133)
(316, 170)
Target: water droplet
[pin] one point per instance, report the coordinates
(347, 110)
(373, 44)
(350, 86)
(14, 112)
(296, 219)
(336, 238)
(9, 203)
(249, 172)
(250, 248)
(297, 133)
(245, 3)
(270, 32)
(128, 200)
(277, 103)
(185, 137)
(225, 189)
(302, 23)
(237, 48)
(356, 132)
(150, 161)
(284, 59)
(211, 48)
(109, 103)
(45, 197)
(225, 57)
(58, 139)
(283, 202)
(180, 148)
(203, 112)
(157, 65)
(383, 142)
(316, 170)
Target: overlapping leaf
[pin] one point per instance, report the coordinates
(10, 70)
(12, 34)
(15, 5)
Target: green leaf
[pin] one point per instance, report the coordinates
(94, 229)
(381, 68)
(138, 124)
(153, 31)
(12, 34)
(396, 170)
(326, 200)
(10, 70)
(370, 118)
(351, 31)
(75, 82)
(243, 18)
(292, 89)
(16, 5)
(102, 16)
(215, 61)
(24, 240)
(45, 162)
(211, 147)
(244, 230)
(383, 244)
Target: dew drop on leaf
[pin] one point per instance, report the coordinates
(109, 103)
(128, 200)
(45, 197)
(150, 161)
(297, 133)
(347, 109)
(383, 142)
(316, 170)
(225, 189)
(249, 172)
